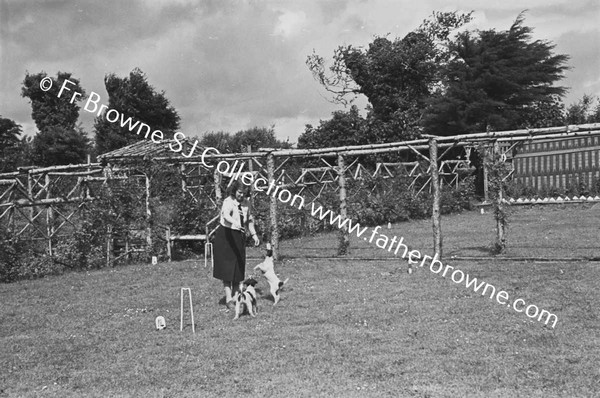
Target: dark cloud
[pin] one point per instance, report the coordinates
(53, 30)
(233, 64)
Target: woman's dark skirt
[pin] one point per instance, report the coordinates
(229, 250)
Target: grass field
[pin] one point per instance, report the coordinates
(344, 328)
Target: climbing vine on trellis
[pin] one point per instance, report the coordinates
(498, 171)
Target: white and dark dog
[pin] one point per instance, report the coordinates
(246, 298)
(268, 271)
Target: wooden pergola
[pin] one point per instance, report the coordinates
(40, 203)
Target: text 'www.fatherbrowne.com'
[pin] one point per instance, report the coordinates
(260, 184)
(396, 246)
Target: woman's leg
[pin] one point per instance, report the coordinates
(227, 286)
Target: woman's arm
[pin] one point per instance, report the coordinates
(251, 227)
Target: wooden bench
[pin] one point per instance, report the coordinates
(171, 239)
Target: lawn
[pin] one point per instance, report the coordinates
(356, 327)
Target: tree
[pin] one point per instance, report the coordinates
(344, 128)
(9, 133)
(133, 97)
(9, 144)
(256, 137)
(58, 141)
(48, 109)
(393, 75)
(220, 140)
(548, 112)
(396, 76)
(497, 81)
(584, 111)
(59, 145)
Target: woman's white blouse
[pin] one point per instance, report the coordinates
(230, 208)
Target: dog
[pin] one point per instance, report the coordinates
(246, 298)
(268, 271)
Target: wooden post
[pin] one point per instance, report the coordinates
(218, 192)
(499, 213)
(49, 215)
(108, 245)
(30, 195)
(485, 176)
(251, 170)
(274, 233)
(11, 219)
(201, 186)
(435, 185)
(11, 211)
(183, 182)
(107, 175)
(168, 236)
(84, 181)
(344, 240)
(148, 214)
(107, 171)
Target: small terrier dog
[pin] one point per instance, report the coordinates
(267, 269)
(246, 297)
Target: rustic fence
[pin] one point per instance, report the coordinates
(539, 157)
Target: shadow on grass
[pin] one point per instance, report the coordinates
(467, 250)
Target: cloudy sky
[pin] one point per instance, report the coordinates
(231, 65)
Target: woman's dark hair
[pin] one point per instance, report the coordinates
(237, 185)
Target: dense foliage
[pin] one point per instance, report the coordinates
(397, 76)
(344, 128)
(48, 109)
(441, 79)
(586, 110)
(118, 211)
(10, 143)
(498, 81)
(58, 145)
(370, 202)
(59, 140)
(133, 97)
(255, 138)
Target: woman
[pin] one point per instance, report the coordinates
(230, 240)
